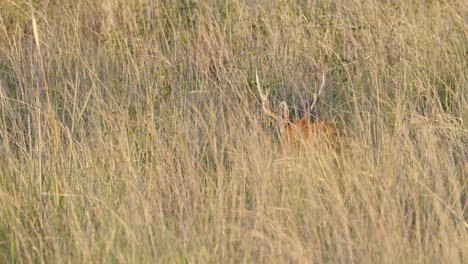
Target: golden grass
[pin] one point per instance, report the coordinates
(131, 132)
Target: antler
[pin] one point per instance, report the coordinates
(314, 106)
(265, 103)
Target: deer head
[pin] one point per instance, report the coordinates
(299, 130)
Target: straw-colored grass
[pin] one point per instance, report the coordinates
(132, 132)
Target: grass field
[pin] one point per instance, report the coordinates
(131, 131)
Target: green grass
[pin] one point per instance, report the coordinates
(132, 132)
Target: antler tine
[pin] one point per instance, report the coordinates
(322, 85)
(262, 95)
(265, 103)
(314, 106)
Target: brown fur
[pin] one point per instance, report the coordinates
(303, 130)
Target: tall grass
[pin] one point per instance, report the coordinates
(131, 132)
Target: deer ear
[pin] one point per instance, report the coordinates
(284, 110)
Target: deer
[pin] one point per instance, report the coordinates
(302, 130)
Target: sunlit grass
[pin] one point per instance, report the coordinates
(132, 132)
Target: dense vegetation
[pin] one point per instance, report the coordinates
(132, 132)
